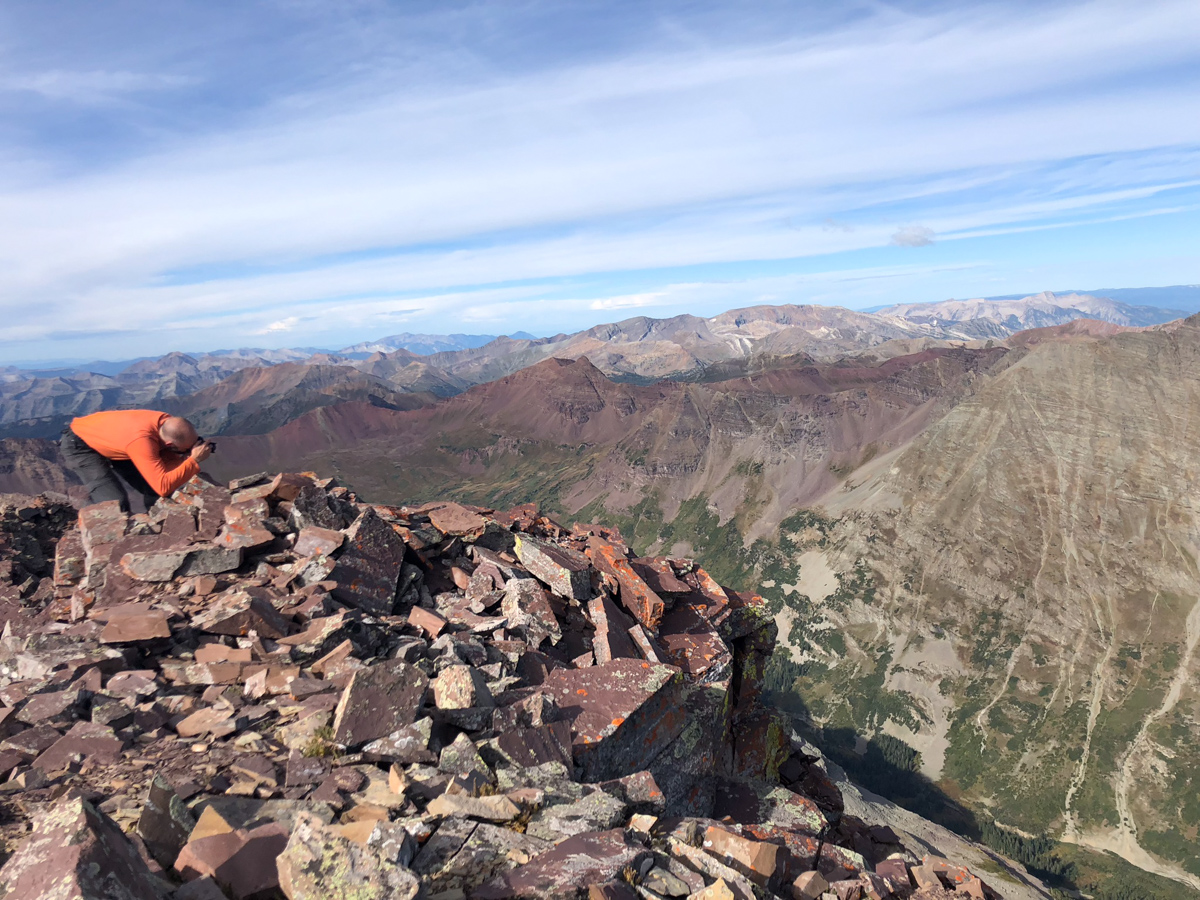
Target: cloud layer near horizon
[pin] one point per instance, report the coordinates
(317, 173)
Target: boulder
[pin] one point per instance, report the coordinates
(320, 864)
(76, 852)
(461, 687)
(622, 714)
(566, 572)
(368, 570)
(165, 822)
(526, 606)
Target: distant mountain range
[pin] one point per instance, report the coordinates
(425, 344)
(397, 372)
(999, 318)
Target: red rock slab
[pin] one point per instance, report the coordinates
(134, 683)
(427, 620)
(622, 714)
(334, 661)
(368, 570)
(134, 622)
(44, 707)
(314, 539)
(895, 873)
(76, 852)
(802, 848)
(236, 612)
(690, 641)
(246, 533)
(9, 760)
(839, 864)
(757, 860)
(218, 653)
(564, 872)
(647, 645)
(715, 596)
(636, 596)
(305, 770)
(847, 889)
(522, 516)
(318, 630)
(533, 746)
(214, 673)
(456, 519)
(212, 720)
(102, 523)
(611, 890)
(527, 605)
(32, 741)
(658, 573)
(85, 740)
(747, 612)
(242, 861)
(379, 700)
(640, 791)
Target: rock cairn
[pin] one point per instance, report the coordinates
(273, 690)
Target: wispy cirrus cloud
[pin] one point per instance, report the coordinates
(94, 86)
(304, 155)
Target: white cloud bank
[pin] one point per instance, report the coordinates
(382, 185)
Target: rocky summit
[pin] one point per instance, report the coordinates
(274, 690)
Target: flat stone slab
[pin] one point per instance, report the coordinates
(313, 540)
(378, 701)
(565, 872)
(454, 518)
(237, 613)
(622, 713)
(134, 622)
(85, 740)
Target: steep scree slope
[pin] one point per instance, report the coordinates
(1034, 605)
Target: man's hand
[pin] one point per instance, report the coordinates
(202, 451)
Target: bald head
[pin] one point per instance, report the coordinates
(179, 433)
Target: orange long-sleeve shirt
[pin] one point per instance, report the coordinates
(133, 434)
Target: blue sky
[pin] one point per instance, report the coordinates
(195, 175)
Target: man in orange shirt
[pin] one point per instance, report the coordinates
(153, 451)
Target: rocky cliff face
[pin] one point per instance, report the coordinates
(273, 689)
